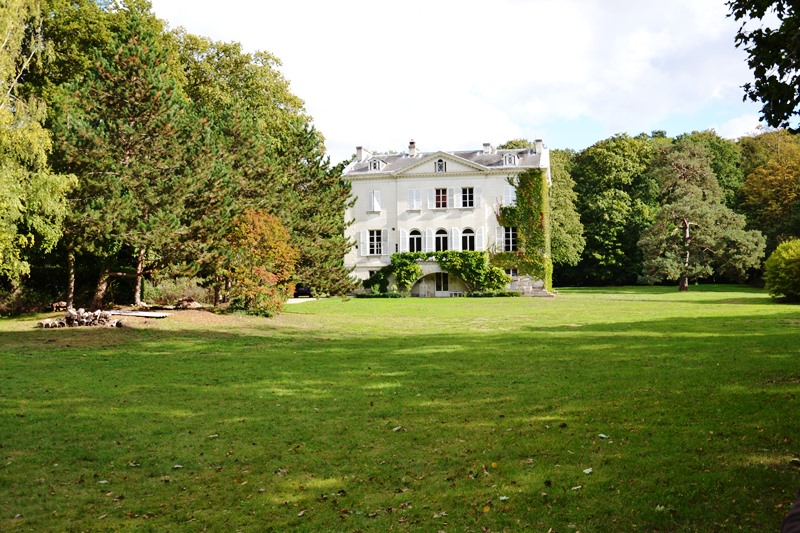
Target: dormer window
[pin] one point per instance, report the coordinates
(376, 164)
(510, 160)
(441, 165)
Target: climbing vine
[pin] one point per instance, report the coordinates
(531, 217)
(471, 267)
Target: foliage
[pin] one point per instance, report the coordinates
(261, 264)
(32, 197)
(771, 195)
(567, 238)
(725, 161)
(616, 201)
(471, 267)
(531, 217)
(694, 235)
(773, 56)
(169, 291)
(782, 271)
(494, 294)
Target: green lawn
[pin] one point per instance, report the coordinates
(411, 414)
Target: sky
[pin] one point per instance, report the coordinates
(454, 74)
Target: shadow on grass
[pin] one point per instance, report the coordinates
(398, 426)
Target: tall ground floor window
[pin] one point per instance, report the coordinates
(468, 239)
(442, 282)
(415, 241)
(509, 239)
(441, 240)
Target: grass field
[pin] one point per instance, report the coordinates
(629, 409)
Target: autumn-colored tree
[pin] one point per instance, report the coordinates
(261, 263)
(771, 195)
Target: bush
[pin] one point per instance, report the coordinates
(782, 271)
(494, 294)
(169, 291)
(384, 295)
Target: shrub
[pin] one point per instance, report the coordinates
(494, 294)
(782, 271)
(169, 291)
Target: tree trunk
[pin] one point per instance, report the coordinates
(70, 278)
(102, 287)
(137, 296)
(683, 285)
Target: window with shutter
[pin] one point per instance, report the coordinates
(468, 239)
(374, 202)
(509, 196)
(403, 241)
(429, 240)
(415, 241)
(455, 240)
(441, 240)
(479, 240)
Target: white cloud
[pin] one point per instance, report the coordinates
(453, 74)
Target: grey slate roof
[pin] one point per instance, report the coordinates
(526, 158)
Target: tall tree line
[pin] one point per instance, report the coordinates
(167, 140)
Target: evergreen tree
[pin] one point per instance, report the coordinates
(694, 235)
(127, 132)
(567, 231)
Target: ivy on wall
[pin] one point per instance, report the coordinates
(531, 217)
(471, 267)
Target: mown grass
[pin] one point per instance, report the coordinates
(415, 414)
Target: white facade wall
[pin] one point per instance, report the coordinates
(397, 219)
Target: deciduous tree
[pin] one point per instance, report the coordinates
(773, 55)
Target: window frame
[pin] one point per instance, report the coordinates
(415, 241)
(468, 241)
(375, 242)
(441, 240)
(510, 239)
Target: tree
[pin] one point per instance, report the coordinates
(261, 263)
(32, 204)
(616, 201)
(726, 160)
(567, 240)
(782, 271)
(693, 234)
(771, 196)
(127, 131)
(773, 56)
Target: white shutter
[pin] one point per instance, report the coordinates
(411, 199)
(431, 198)
(498, 239)
(364, 243)
(455, 240)
(428, 241)
(385, 242)
(451, 195)
(376, 201)
(477, 196)
(417, 198)
(371, 202)
(459, 198)
(403, 241)
(479, 239)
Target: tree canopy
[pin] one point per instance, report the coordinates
(773, 54)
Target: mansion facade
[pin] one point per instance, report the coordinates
(434, 201)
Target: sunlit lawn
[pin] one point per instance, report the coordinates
(600, 410)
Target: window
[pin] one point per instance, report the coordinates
(441, 199)
(414, 199)
(509, 239)
(442, 282)
(468, 239)
(415, 241)
(376, 164)
(374, 202)
(441, 165)
(509, 195)
(467, 197)
(441, 240)
(375, 242)
(513, 272)
(510, 160)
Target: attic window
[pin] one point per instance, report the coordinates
(510, 160)
(441, 165)
(376, 164)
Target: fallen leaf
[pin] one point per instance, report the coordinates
(588, 471)
(486, 509)
(301, 513)
(603, 436)
(503, 498)
(398, 428)
(176, 467)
